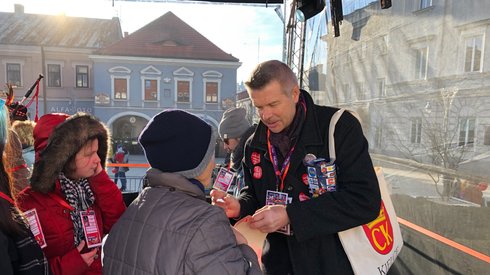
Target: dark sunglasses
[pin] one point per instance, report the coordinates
(226, 141)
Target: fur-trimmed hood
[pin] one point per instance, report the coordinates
(57, 138)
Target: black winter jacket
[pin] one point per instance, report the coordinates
(314, 247)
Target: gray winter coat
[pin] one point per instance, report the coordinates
(171, 229)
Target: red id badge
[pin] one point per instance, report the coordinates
(35, 226)
(223, 180)
(89, 224)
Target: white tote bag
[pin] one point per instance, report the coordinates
(371, 248)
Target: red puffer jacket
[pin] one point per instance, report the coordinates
(57, 225)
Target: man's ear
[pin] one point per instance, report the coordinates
(295, 93)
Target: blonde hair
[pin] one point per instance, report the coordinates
(24, 130)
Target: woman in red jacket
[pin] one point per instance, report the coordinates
(75, 200)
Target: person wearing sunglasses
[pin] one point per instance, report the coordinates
(234, 129)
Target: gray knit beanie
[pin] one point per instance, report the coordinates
(233, 124)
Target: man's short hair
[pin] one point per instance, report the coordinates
(271, 70)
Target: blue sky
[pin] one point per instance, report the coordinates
(251, 33)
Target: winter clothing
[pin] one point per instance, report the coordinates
(171, 229)
(233, 123)
(314, 247)
(176, 141)
(19, 251)
(58, 138)
(121, 156)
(21, 255)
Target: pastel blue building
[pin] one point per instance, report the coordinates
(164, 65)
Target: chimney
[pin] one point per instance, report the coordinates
(19, 9)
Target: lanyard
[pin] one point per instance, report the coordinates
(7, 198)
(61, 201)
(280, 174)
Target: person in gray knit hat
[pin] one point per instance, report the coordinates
(170, 228)
(234, 130)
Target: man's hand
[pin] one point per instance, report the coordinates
(270, 218)
(229, 203)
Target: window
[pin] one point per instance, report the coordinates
(421, 63)
(416, 130)
(486, 139)
(81, 76)
(120, 88)
(13, 74)
(54, 75)
(360, 91)
(381, 88)
(211, 92)
(151, 89)
(183, 91)
(383, 44)
(466, 131)
(473, 54)
(425, 4)
(347, 92)
(378, 135)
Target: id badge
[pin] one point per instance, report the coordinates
(35, 226)
(279, 198)
(223, 179)
(90, 228)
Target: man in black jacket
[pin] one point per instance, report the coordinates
(291, 127)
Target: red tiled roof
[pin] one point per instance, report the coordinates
(167, 37)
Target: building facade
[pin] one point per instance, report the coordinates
(58, 47)
(164, 65)
(419, 76)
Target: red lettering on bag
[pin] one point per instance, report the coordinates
(380, 233)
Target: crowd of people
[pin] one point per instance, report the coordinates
(79, 223)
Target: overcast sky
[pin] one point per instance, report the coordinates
(250, 33)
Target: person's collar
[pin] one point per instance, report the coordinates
(157, 178)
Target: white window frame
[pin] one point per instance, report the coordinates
(183, 74)
(381, 87)
(120, 72)
(61, 73)
(211, 76)
(176, 80)
(113, 78)
(347, 93)
(21, 65)
(360, 91)
(465, 122)
(421, 67)
(143, 88)
(378, 134)
(482, 41)
(76, 75)
(415, 130)
(423, 4)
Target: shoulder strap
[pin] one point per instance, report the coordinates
(331, 130)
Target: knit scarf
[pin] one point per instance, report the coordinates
(79, 195)
(289, 136)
